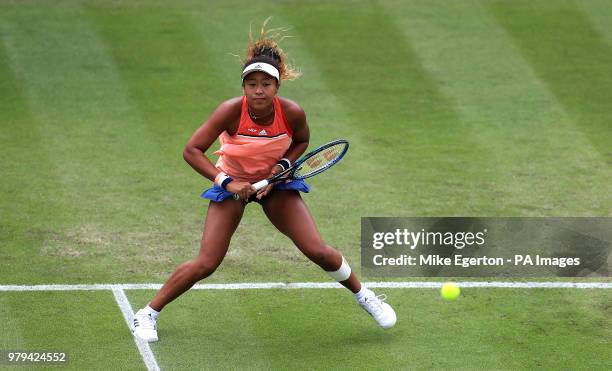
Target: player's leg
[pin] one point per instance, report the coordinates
(289, 214)
(222, 219)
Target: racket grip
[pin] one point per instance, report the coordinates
(262, 183)
(259, 185)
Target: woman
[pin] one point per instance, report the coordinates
(260, 134)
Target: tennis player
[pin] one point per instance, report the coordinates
(261, 134)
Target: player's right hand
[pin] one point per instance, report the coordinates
(243, 189)
(265, 190)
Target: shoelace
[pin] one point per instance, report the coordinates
(144, 321)
(377, 303)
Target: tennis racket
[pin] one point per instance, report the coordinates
(311, 164)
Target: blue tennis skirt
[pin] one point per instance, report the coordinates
(218, 194)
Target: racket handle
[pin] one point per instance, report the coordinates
(261, 184)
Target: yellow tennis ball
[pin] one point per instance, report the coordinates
(450, 291)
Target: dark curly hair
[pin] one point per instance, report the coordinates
(265, 49)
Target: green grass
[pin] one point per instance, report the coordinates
(88, 326)
(470, 108)
(323, 329)
(461, 115)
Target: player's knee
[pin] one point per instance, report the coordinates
(323, 256)
(203, 267)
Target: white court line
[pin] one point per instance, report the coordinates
(312, 285)
(128, 314)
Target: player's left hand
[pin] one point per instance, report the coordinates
(264, 191)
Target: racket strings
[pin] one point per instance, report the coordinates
(321, 160)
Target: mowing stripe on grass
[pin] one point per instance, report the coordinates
(101, 147)
(600, 14)
(570, 56)
(128, 314)
(313, 285)
(506, 106)
(172, 80)
(29, 177)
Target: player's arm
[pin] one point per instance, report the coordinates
(201, 140)
(222, 119)
(296, 117)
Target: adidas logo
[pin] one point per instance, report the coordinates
(263, 132)
(258, 66)
(253, 130)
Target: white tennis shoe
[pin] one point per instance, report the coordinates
(377, 308)
(144, 326)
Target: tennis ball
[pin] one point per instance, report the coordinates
(450, 291)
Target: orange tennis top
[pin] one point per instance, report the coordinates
(250, 154)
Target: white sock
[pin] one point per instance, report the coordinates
(362, 292)
(152, 312)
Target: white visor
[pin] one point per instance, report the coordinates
(263, 67)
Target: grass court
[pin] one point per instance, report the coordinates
(452, 108)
